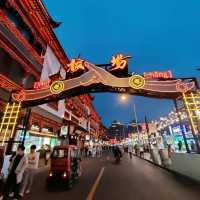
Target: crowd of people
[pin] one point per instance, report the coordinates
(93, 151)
(21, 173)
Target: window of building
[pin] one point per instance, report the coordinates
(11, 68)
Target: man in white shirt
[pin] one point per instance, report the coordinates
(130, 150)
(32, 166)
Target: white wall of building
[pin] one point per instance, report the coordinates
(51, 66)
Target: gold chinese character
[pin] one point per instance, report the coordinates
(118, 62)
(75, 65)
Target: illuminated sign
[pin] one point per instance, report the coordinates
(157, 74)
(118, 62)
(57, 87)
(19, 96)
(41, 84)
(87, 137)
(75, 65)
(184, 87)
(137, 82)
(95, 77)
(9, 121)
(64, 130)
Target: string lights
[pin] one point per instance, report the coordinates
(9, 120)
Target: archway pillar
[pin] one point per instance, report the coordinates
(191, 103)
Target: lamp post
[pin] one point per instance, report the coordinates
(124, 98)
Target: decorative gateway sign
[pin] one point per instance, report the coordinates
(98, 79)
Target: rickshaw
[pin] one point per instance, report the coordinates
(65, 166)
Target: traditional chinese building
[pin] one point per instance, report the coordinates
(26, 39)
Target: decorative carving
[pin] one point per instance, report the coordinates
(19, 96)
(40, 18)
(18, 58)
(19, 36)
(8, 84)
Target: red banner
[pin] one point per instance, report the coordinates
(157, 74)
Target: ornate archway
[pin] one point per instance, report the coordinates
(84, 77)
(96, 79)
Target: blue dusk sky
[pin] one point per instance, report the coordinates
(159, 34)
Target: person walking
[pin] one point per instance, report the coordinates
(86, 151)
(141, 151)
(130, 150)
(47, 154)
(32, 166)
(15, 175)
(94, 151)
(180, 144)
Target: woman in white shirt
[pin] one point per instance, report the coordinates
(32, 165)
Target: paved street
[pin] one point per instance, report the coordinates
(134, 179)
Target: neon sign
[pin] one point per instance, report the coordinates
(157, 74)
(184, 87)
(41, 85)
(137, 82)
(75, 65)
(119, 62)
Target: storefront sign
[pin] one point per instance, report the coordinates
(35, 127)
(87, 137)
(64, 130)
(41, 84)
(157, 74)
(45, 130)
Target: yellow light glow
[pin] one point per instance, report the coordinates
(57, 87)
(42, 134)
(188, 109)
(15, 119)
(123, 97)
(4, 117)
(5, 134)
(137, 82)
(9, 120)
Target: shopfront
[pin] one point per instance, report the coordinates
(173, 135)
(40, 139)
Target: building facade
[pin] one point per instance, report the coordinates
(27, 41)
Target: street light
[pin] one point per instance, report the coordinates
(123, 97)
